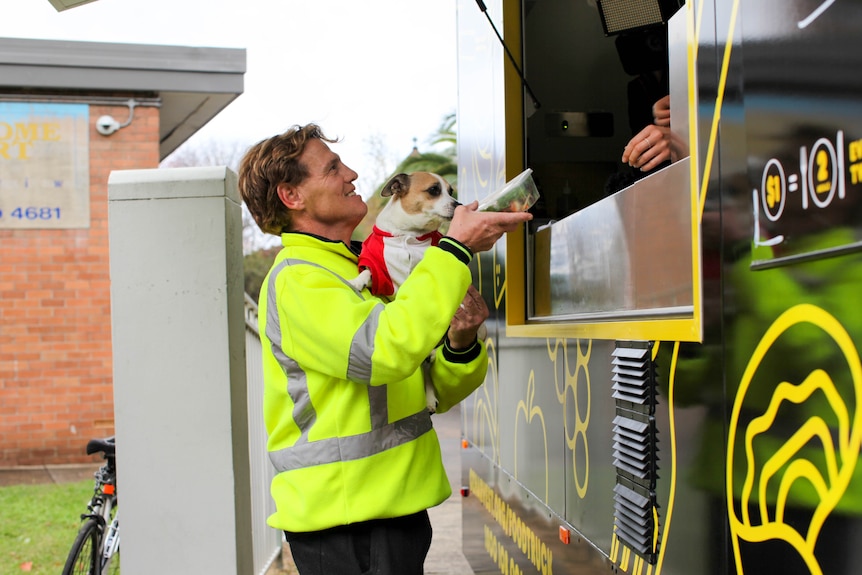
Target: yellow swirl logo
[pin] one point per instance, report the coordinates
(574, 401)
(813, 460)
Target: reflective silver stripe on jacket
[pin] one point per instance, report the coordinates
(383, 435)
(354, 447)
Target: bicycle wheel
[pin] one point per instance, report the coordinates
(84, 556)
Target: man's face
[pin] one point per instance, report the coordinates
(330, 202)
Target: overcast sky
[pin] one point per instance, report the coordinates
(356, 67)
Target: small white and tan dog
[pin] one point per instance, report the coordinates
(406, 226)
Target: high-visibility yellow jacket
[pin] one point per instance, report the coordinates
(344, 402)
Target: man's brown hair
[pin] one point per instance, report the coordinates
(269, 163)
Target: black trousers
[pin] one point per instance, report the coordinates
(380, 547)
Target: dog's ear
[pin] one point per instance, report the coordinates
(399, 184)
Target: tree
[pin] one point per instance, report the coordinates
(443, 162)
(378, 166)
(255, 267)
(206, 153)
(194, 153)
(446, 134)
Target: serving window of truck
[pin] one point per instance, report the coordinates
(612, 251)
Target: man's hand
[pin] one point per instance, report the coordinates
(468, 319)
(479, 231)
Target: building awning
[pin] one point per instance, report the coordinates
(193, 84)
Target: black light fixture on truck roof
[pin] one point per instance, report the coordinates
(621, 15)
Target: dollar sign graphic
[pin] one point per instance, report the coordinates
(823, 175)
(773, 190)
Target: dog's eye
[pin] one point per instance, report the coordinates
(434, 191)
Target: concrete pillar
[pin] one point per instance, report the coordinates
(179, 371)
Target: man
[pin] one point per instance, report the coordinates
(358, 462)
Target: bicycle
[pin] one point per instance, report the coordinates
(96, 550)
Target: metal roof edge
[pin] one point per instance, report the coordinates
(32, 54)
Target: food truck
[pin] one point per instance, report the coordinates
(675, 384)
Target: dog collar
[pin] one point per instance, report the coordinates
(433, 236)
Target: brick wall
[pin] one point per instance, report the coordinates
(55, 324)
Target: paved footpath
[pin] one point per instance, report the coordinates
(444, 558)
(41, 474)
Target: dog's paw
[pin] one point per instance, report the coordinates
(430, 398)
(482, 333)
(362, 281)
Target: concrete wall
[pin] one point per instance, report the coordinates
(180, 371)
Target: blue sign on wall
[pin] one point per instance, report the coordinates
(44, 165)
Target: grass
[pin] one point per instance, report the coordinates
(38, 524)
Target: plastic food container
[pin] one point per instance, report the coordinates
(518, 195)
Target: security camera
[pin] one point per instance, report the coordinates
(107, 125)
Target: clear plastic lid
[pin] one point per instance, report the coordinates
(518, 195)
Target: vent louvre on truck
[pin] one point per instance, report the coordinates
(635, 447)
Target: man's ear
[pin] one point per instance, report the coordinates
(289, 196)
